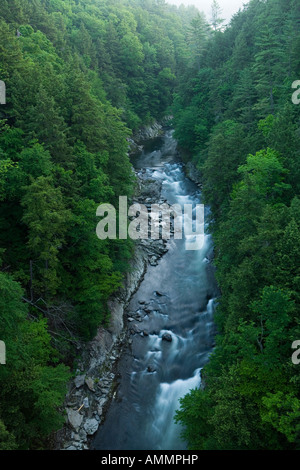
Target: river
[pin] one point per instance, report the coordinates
(179, 298)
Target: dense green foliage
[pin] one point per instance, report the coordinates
(235, 119)
(80, 76)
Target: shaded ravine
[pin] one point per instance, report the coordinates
(176, 298)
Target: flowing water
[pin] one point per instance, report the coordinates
(179, 297)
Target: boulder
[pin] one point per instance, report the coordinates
(86, 403)
(102, 402)
(75, 419)
(90, 383)
(153, 261)
(82, 435)
(135, 330)
(149, 309)
(167, 337)
(79, 381)
(91, 426)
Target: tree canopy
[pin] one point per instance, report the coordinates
(80, 77)
(235, 120)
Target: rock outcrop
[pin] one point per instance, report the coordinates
(193, 174)
(136, 143)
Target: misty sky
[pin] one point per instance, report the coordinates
(229, 7)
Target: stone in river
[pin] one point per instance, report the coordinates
(167, 337)
(149, 309)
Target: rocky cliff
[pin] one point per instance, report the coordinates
(92, 388)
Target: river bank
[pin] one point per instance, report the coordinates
(93, 387)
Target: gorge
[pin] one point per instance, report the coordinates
(175, 333)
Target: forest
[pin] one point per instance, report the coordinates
(236, 119)
(81, 76)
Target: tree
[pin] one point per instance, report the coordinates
(281, 411)
(31, 389)
(47, 126)
(36, 161)
(194, 415)
(7, 440)
(216, 20)
(197, 36)
(227, 151)
(248, 159)
(268, 69)
(47, 220)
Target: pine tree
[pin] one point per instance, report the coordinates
(45, 124)
(268, 69)
(197, 35)
(216, 20)
(47, 220)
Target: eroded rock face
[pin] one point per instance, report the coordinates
(193, 173)
(145, 133)
(148, 132)
(116, 320)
